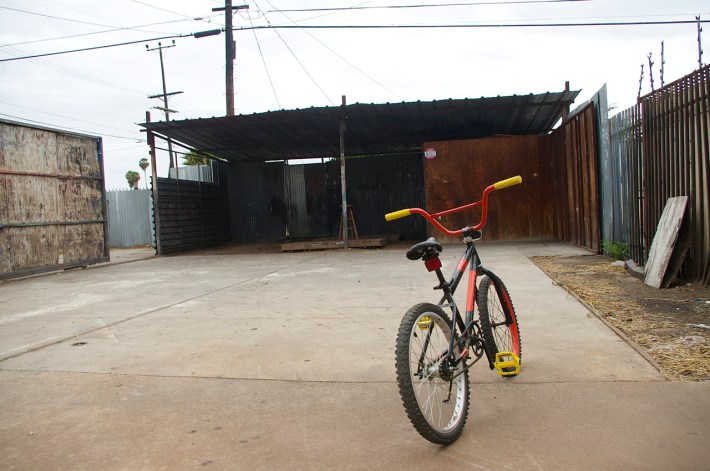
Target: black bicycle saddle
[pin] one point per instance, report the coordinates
(417, 251)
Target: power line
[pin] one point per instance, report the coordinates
(62, 116)
(77, 74)
(139, 41)
(263, 60)
(478, 25)
(434, 26)
(294, 55)
(429, 5)
(131, 28)
(338, 55)
(169, 11)
(68, 128)
(56, 17)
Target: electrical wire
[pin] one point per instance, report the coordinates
(340, 57)
(295, 57)
(77, 74)
(134, 28)
(56, 17)
(479, 25)
(66, 117)
(168, 11)
(430, 5)
(68, 128)
(93, 48)
(263, 60)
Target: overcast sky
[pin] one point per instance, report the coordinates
(105, 91)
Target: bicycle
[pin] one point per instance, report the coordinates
(433, 357)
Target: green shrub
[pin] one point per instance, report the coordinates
(617, 250)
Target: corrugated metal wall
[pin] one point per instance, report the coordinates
(627, 191)
(377, 185)
(271, 200)
(662, 150)
(53, 212)
(576, 181)
(130, 218)
(258, 210)
(307, 200)
(196, 173)
(189, 214)
(461, 171)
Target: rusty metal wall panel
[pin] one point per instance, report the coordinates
(377, 185)
(307, 200)
(53, 212)
(461, 171)
(575, 186)
(257, 201)
(190, 214)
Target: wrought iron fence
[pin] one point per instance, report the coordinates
(660, 150)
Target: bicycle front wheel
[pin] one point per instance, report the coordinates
(499, 324)
(435, 396)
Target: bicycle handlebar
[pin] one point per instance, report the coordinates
(483, 203)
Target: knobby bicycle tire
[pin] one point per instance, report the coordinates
(499, 324)
(421, 386)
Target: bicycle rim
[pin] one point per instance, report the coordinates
(436, 405)
(498, 320)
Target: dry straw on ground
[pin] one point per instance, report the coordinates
(661, 322)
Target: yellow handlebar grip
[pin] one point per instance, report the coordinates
(508, 182)
(402, 213)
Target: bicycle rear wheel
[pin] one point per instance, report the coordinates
(499, 324)
(435, 397)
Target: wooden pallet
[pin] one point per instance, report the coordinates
(363, 243)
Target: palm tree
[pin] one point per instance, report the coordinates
(193, 158)
(132, 177)
(143, 164)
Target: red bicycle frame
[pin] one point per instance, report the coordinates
(483, 204)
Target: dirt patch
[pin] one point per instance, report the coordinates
(666, 323)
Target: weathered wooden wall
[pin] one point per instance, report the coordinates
(52, 200)
(461, 171)
(576, 182)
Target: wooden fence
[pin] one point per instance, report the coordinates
(52, 212)
(576, 181)
(660, 149)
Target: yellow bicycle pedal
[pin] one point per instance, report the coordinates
(424, 323)
(507, 363)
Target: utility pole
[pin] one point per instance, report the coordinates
(164, 95)
(700, 45)
(229, 52)
(663, 65)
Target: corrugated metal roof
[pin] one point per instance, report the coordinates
(371, 128)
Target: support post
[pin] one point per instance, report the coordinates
(154, 186)
(343, 191)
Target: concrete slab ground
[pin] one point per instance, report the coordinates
(286, 360)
